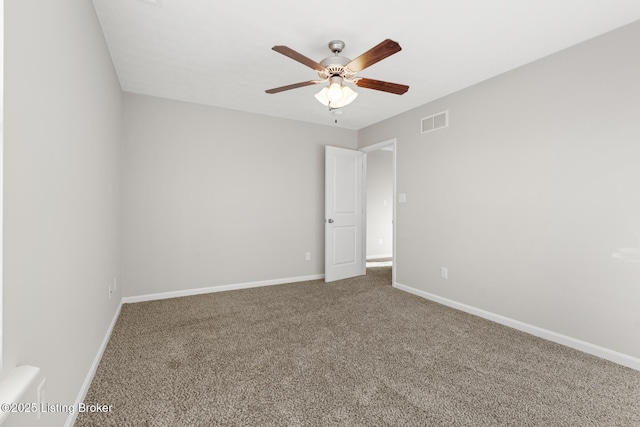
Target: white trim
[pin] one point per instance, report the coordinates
(371, 257)
(71, 419)
(15, 385)
(379, 146)
(393, 144)
(221, 288)
(586, 347)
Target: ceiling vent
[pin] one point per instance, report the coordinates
(434, 122)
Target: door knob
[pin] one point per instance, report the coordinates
(330, 221)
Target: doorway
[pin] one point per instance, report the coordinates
(379, 164)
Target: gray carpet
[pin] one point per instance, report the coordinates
(355, 353)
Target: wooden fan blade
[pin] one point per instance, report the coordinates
(373, 55)
(396, 88)
(287, 51)
(293, 86)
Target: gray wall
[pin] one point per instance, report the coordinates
(379, 190)
(61, 204)
(216, 197)
(529, 192)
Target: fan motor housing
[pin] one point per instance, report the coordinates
(335, 66)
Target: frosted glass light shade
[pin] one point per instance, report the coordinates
(348, 95)
(334, 93)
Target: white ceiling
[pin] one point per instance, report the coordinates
(219, 52)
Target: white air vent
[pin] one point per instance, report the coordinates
(434, 122)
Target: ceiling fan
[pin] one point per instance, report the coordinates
(338, 69)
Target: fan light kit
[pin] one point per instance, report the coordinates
(336, 95)
(337, 70)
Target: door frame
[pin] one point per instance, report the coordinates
(393, 144)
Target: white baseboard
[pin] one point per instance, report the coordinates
(586, 347)
(221, 288)
(71, 419)
(369, 257)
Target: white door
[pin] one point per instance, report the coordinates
(344, 255)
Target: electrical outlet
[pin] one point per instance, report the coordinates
(110, 291)
(444, 272)
(307, 256)
(380, 241)
(42, 401)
